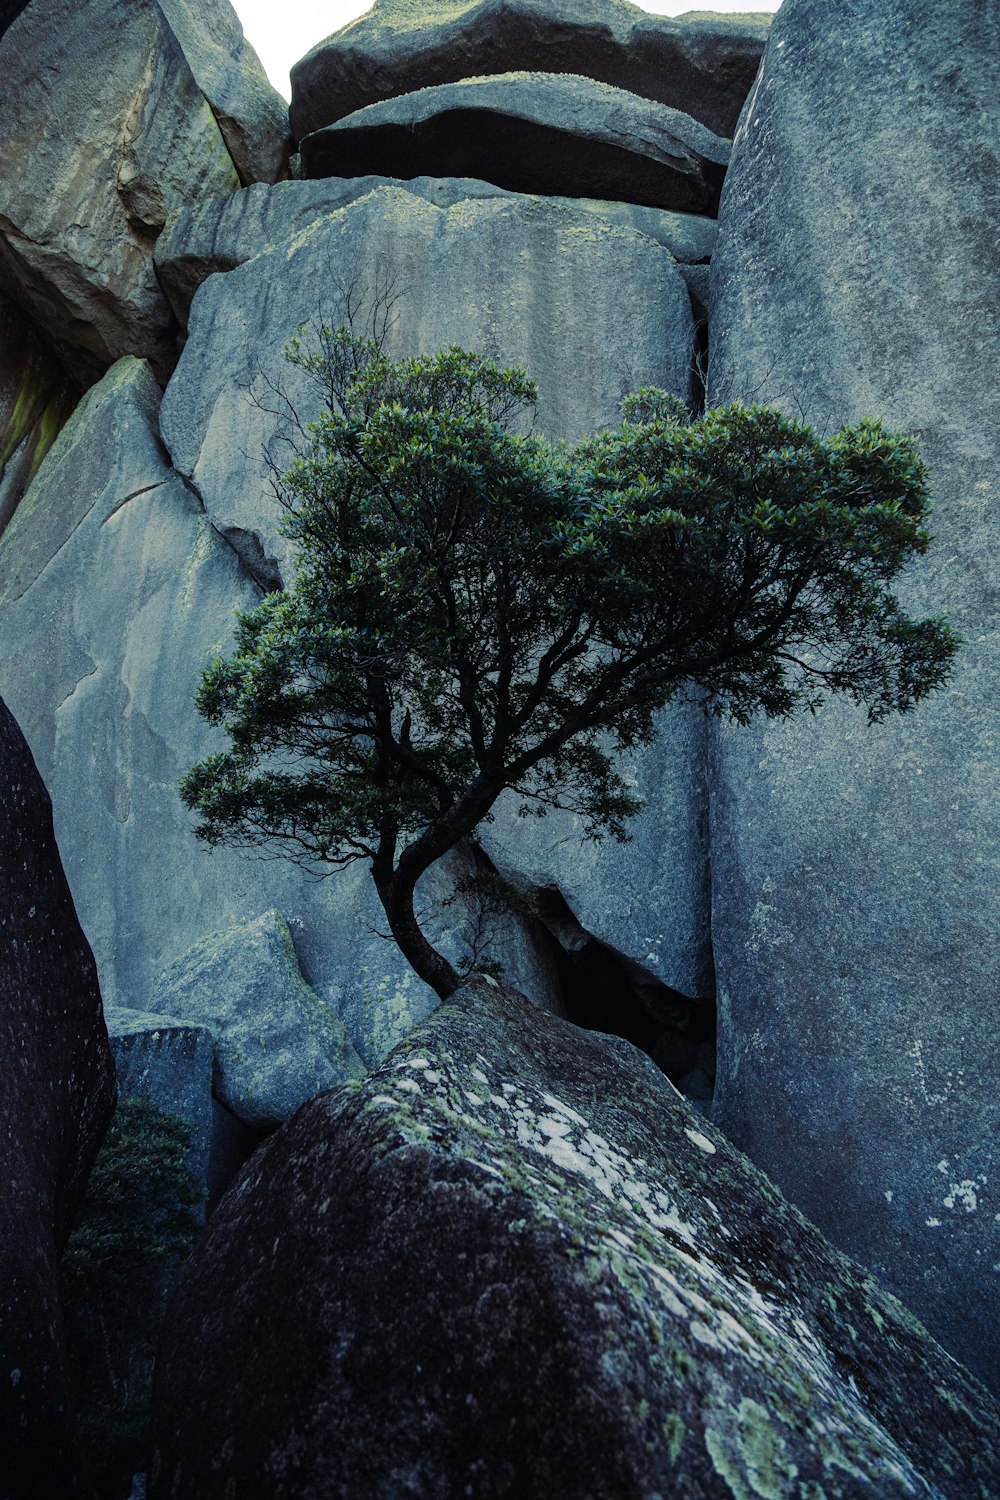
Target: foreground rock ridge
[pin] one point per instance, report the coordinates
(520, 1259)
(856, 871)
(56, 1097)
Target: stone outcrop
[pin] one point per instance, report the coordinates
(35, 400)
(856, 871)
(218, 234)
(516, 1256)
(89, 175)
(56, 1097)
(700, 63)
(554, 133)
(277, 1042)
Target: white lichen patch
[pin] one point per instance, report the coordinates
(701, 1141)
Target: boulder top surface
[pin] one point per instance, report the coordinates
(701, 62)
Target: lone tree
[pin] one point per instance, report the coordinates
(476, 609)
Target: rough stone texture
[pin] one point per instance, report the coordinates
(520, 1260)
(701, 63)
(277, 1042)
(168, 1062)
(534, 133)
(218, 234)
(35, 400)
(856, 871)
(56, 1098)
(90, 174)
(112, 563)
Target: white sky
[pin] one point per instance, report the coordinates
(282, 33)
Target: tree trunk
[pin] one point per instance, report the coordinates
(434, 969)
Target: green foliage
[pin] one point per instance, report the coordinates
(135, 1228)
(477, 609)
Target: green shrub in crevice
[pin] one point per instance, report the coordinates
(136, 1227)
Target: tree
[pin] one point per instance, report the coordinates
(476, 609)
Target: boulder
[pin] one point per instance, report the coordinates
(513, 1262)
(168, 1062)
(56, 1098)
(90, 175)
(35, 400)
(534, 133)
(111, 562)
(277, 1042)
(700, 63)
(856, 871)
(218, 234)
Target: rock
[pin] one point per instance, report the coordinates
(277, 1043)
(534, 133)
(700, 63)
(91, 174)
(56, 1098)
(218, 234)
(35, 400)
(856, 871)
(168, 1062)
(251, 115)
(111, 560)
(520, 1260)
(591, 311)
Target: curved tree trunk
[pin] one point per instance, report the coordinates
(396, 897)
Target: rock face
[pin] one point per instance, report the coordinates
(56, 1099)
(35, 400)
(700, 63)
(90, 175)
(856, 871)
(277, 1043)
(533, 133)
(219, 234)
(519, 1259)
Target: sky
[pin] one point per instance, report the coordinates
(282, 33)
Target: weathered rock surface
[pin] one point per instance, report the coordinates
(218, 234)
(56, 1097)
(552, 133)
(35, 400)
(168, 1062)
(857, 871)
(277, 1042)
(89, 175)
(519, 1259)
(112, 566)
(701, 63)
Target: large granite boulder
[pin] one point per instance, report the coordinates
(513, 1262)
(90, 174)
(115, 591)
(700, 63)
(552, 133)
(56, 1098)
(218, 234)
(277, 1042)
(35, 400)
(857, 871)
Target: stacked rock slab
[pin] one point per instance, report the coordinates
(89, 174)
(516, 1257)
(856, 871)
(700, 63)
(219, 234)
(554, 133)
(56, 1097)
